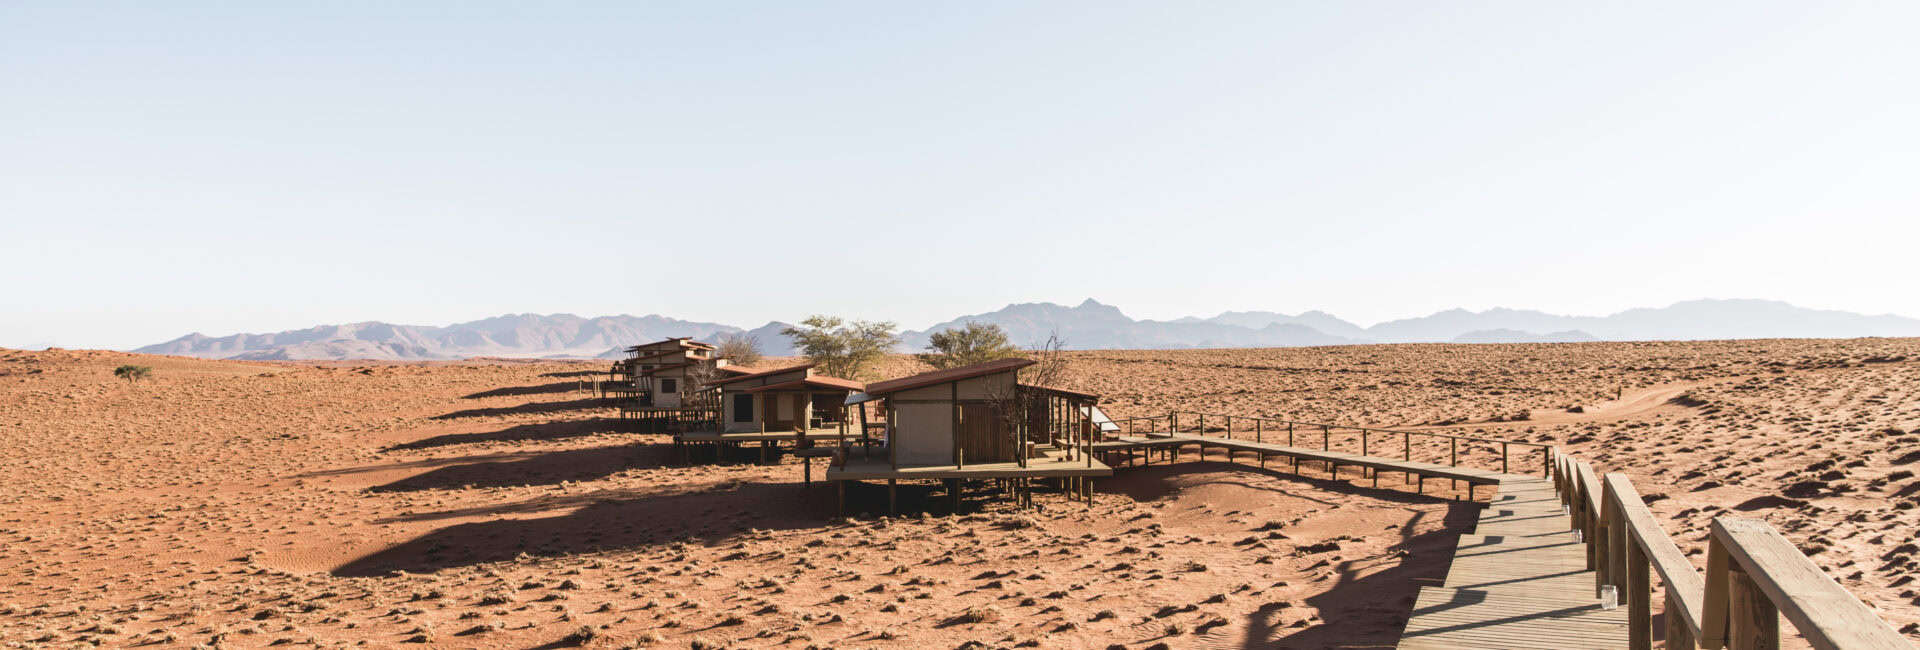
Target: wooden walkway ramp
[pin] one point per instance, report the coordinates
(1519, 581)
(1332, 460)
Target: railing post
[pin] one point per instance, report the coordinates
(1616, 544)
(1326, 437)
(1679, 636)
(1503, 458)
(1713, 607)
(1639, 595)
(1453, 458)
(1752, 621)
(1290, 437)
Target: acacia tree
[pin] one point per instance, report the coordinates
(132, 373)
(967, 345)
(738, 349)
(843, 348)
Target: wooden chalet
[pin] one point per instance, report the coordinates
(793, 404)
(670, 384)
(973, 422)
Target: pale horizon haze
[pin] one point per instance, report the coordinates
(168, 168)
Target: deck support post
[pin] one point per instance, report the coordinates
(840, 490)
(892, 497)
(953, 495)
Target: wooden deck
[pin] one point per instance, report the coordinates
(1051, 465)
(813, 435)
(1333, 460)
(1519, 581)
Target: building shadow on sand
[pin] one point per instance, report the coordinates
(1356, 611)
(532, 408)
(558, 430)
(555, 388)
(595, 521)
(531, 468)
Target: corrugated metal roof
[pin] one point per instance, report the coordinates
(944, 376)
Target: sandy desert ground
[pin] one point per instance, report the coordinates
(491, 504)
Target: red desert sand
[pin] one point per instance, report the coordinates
(492, 504)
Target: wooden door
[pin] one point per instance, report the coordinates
(771, 413)
(983, 435)
(799, 406)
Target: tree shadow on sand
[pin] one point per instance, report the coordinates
(520, 433)
(555, 388)
(596, 521)
(532, 407)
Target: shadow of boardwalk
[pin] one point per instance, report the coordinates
(532, 407)
(1371, 610)
(610, 519)
(497, 470)
(574, 373)
(1356, 611)
(542, 389)
(542, 431)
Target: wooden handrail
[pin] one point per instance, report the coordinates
(1754, 575)
(1349, 427)
(1652, 546)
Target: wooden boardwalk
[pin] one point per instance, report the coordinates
(1519, 581)
(1147, 444)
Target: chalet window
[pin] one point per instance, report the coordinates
(669, 386)
(743, 408)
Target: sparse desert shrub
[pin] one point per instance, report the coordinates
(583, 635)
(132, 373)
(974, 615)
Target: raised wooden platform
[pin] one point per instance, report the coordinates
(814, 435)
(1519, 581)
(1333, 459)
(1052, 465)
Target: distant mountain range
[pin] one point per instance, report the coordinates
(1089, 325)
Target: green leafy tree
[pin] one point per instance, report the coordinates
(132, 373)
(843, 348)
(967, 345)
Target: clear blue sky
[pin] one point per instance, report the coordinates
(220, 168)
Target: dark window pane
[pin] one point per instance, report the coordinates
(743, 408)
